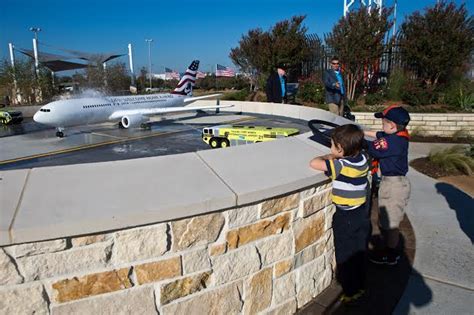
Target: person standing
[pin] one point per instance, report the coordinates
(335, 89)
(276, 88)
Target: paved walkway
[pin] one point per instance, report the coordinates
(442, 216)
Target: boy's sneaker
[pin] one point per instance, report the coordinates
(385, 257)
(352, 300)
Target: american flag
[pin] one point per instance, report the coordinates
(200, 75)
(171, 74)
(223, 71)
(185, 85)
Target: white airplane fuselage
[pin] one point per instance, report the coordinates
(84, 111)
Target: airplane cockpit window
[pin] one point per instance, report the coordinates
(45, 110)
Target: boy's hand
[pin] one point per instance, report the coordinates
(370, 133)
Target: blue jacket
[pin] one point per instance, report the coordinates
(392, 152)
(333, 95)
(273, 88)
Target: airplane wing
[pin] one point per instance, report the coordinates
(192, 99)
(165, 110)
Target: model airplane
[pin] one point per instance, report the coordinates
(129, 111)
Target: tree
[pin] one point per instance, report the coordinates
(26, 82)
(261, 51)
(437, 43)
(358, 41)
(117, 77)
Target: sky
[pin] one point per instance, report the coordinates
(181, 30)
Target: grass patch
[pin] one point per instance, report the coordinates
(456, 158)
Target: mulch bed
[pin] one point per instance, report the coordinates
(436, 139)
(425, 166)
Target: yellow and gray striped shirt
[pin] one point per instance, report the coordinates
(349, 176)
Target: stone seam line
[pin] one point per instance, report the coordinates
(18, 206)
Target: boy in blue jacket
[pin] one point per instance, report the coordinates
(391, 149)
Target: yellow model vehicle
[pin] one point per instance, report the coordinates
(225, 135)
(10, 117)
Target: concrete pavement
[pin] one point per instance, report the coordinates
(442, 216)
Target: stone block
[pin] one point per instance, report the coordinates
(330, 210)
(24, 299)
(196, 261)
(89, 239)
(8, 271)
(258, 292)
(277, 205)
(263, 228)
(306, 277)
(317, 202)
(218, 249)
(286, 308)
(415, 117)
(36, 248)
(224, 300)
(453, 117)
(243, 215)
(140, 243)
(81, 287)
(284, 288)
(275, 248)
(158, 270)
(432, 123)
(309, 253)
(183, 287)
(448, 123)
(468, 118)
(235, 264)
(139, 300)
(283, 267)
(308, 230)
(190, 232)
(428, 117)
(75, 260)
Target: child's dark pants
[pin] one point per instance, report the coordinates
(351, 234)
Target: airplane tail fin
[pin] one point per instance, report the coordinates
(186, 84)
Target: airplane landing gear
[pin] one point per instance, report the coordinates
(59, 132)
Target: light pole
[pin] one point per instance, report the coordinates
(36, 30)
(149, 58)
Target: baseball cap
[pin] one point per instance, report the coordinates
(395, 113)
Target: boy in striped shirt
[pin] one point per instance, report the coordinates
(347, 166)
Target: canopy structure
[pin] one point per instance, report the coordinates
(57, 63)
(103, 57)
(53, 62)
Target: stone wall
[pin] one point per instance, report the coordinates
(443, 125)
(273, 257)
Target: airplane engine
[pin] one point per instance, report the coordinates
(133, 121)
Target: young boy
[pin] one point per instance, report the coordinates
(391, 149)
(348, 167)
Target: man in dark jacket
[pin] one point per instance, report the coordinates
(276, 86)
(335, 90)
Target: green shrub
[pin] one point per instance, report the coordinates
(414, 93)
(455, 158)
(396, 84)
(311, 90)
(237, 96)
(459, 93)
(374, 99)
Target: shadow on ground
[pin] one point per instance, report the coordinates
(462, 203)
(385, 285)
